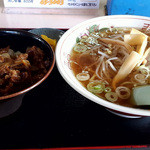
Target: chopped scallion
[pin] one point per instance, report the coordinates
(93, 28)
(96, 87)
(80, 48)
(103, 29)
(107, 90)
(111, 96)
(77, 40)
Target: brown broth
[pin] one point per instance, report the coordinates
(78, 68)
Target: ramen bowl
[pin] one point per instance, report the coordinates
(67, 42)
(19, 41)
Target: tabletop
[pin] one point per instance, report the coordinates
(53, 115)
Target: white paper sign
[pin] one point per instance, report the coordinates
(87, 4)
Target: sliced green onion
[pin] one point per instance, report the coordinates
(114, 30)
(11, 52)
(91, 40)
(111, 96)
(77, 40)
(141, 78)
(144, 70)
(103, 29)
(109, 52)
(110, 45)
(83, 76)
(5, 55)
(93, 28)
(80, 48)
(96, 87)
(107, 90)
(123, 92)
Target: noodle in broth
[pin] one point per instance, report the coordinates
(98, 57)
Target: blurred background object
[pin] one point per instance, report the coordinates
(30, 18)
(128, 7)
(67, 7)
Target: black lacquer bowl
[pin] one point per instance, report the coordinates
(19, 41)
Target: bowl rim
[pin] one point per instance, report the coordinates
(85, 93)
(47, 30)
(45, 76)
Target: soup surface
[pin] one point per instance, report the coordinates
(111, 62)
(20, 70)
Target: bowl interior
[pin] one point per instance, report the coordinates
(19, 41)
(68, 40)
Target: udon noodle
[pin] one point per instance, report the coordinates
(110, 62)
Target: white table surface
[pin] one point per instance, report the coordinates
(27, 21)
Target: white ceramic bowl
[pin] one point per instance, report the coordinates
(66, 43)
